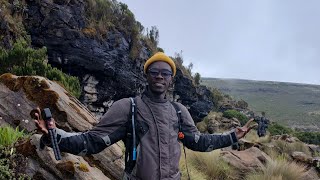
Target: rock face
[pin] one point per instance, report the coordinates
(247, 160)
(103, 65)
(19, 95)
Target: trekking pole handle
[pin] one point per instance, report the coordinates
(47, 116)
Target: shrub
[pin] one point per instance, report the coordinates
(216, 95)
(235, 114)
(197, 78)
(242, 104)
(178, 59)
(106, 15)
(12, 14)
(278, 129)
(308, 137)
(23, 60)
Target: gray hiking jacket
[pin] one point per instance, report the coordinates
(158, 152)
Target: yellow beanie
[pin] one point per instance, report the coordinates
(160, 56)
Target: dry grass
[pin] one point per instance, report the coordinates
(288, 148)
(206, 165)
(194, 173)
(252, 136)
(279, 169)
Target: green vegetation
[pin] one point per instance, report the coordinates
(9, 136)
(217, 96)
(285, 148)
(235, 114)
(178, 59)
(197, 78)
(186, 70)
(9, 160)
(12, 14)
(296, 105)
(23, 60)
(107, 15)
(278, 129)
(308, 137)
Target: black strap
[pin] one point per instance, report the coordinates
(131, 141)
(180, 131)
(176, 107)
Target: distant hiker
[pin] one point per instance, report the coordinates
(262, 125)
(152, 147)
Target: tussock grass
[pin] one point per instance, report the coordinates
(194, 173)
(288, 148)
(206, 165)
(279, 169)
(9, 135)
(252, 136)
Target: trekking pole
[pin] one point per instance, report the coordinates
(46, 115)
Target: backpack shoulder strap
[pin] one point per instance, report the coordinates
(131, 138)
(133, 118)
(178, 111)
(180, 134)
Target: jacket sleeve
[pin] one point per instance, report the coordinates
(110, 129)
(197, 141)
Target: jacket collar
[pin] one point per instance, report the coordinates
(146, 95)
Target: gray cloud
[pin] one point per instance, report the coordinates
(262, 40)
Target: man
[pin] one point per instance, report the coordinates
(158, 151)
(262, 125)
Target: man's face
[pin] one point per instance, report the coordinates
(159, 77)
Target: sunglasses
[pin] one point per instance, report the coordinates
(165, 73)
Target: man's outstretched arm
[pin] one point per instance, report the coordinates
(110, 129)
(197, 141)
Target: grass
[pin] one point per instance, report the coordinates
(252, 136)
(12, 20)
(206, 165)
(10, 135)
(11, 164)
(289, 148)
(279, 169)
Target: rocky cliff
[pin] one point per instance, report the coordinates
(103, 64)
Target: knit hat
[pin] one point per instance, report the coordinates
(160, 56)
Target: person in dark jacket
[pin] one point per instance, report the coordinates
(158, 152)
(262, 125)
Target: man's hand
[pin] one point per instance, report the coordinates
(242, 131)
(40, 123)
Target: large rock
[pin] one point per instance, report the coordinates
(21, 94)
(246, 161)
(70, 167)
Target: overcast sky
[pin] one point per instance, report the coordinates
(275, 40)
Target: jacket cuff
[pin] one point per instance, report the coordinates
(45, 141)
(234, 140)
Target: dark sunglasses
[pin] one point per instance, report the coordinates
(165, 73)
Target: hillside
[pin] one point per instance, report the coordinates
(292, 104)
